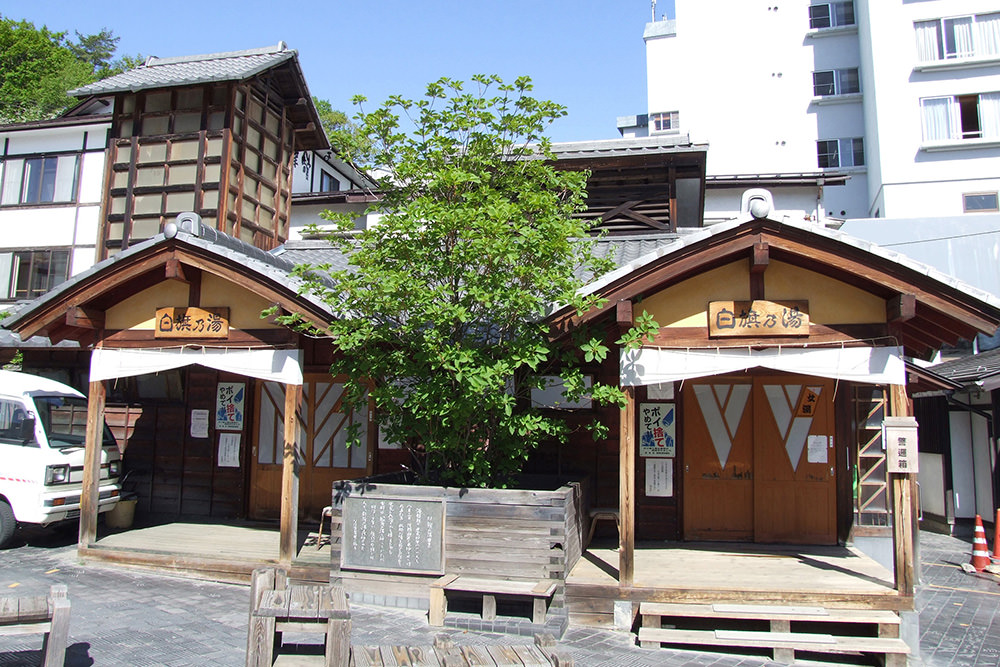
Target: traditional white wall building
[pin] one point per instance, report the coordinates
(902, 97)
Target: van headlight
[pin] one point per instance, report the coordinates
(57, 474)
(114, 468)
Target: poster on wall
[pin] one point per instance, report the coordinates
(660, 478)
(199, 423)
(229, 406)
(656, 429)
(229, 450)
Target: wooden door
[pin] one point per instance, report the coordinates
(323, 453)
(795, 493)
(718, 459)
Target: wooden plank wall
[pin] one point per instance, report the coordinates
(497, 533)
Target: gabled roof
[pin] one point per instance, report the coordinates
(279, 61)
(945, 308)
(142, 265)
(190, 70)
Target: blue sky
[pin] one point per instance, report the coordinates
(588, 55)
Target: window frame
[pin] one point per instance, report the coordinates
(673, 118)
(30, 262)
(835, 16)
(837, 85)
(942, 34)
(965, 123)
(844, 146)
(21, 185)
(967, 209)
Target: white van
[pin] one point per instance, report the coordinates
(43, 426)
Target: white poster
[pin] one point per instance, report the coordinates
(816, 452)
(199, 423)
(660, 477)
(229, 450)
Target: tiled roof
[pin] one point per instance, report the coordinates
(971, 368)
(188, 70)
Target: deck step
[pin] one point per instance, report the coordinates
(821, 643)
(748, 612)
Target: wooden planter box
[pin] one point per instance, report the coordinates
(391, 541)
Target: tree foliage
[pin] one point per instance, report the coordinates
(38, 66)
(445, 297)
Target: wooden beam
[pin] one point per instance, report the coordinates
(626, 490)
(760, 257)
(84, 318)
(901, 308)
(623, 314)
(290, 478)
(90, 492)
(175, 270)
(904, 514)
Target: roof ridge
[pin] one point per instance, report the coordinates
(154, 61)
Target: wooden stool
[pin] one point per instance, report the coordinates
(603, 514)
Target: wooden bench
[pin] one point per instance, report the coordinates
(277, 607)
(540, 591)
(780, 638)
(48, 615)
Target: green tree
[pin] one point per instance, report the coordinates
(445, 296)
(38, 66)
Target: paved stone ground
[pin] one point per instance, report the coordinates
(134, 618)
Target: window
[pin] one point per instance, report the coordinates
(12, 416)
(35, 272)
(961, 117)
(836, 82)
(841, 152)
(958, 37)
(666, 121)
(327, 183)
(831, 15)
(980, 201)
(45, 179)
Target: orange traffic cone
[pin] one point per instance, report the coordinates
(980, 550)
(996, 539)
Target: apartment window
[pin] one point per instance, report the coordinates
(958, 37)
(961, 117)
(44, 179)
(976, 202)
(833, 153)
(35, 272)
(666, 121)
(836, 82)
(327, 183)
(831, 15)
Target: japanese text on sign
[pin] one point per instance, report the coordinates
(757, 318)
(192, 323)
(393, 534)
(230, 397)
(656, 429)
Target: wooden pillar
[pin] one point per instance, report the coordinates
(904, 529)
(290, 478)
(626, 490)
(92, 465)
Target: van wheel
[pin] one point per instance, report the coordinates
(7, 523)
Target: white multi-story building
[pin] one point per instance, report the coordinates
(903, 98)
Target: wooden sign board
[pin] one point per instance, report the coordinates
(758, 318)
(393, 535)
(187, 322)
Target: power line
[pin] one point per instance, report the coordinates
(941, 238)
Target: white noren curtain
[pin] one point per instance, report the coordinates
(275, 365)
(873, 365)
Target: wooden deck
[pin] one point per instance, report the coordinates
(729, 572)
(218, 551)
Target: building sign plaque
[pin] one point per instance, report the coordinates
(178, 322)
(900, 437)
(758, 318)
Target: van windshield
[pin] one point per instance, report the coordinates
(64, 419)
